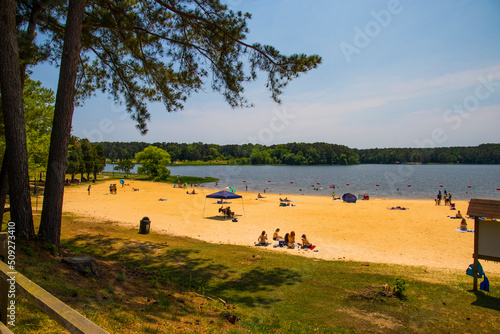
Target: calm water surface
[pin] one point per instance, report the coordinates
(392, 180)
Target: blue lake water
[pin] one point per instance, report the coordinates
(392, 180)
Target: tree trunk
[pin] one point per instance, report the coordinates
(15, 128)
(50, 224)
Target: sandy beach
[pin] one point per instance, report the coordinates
(366, 231)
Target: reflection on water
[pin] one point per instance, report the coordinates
(380, 181)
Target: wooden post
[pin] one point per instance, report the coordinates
(476, 253)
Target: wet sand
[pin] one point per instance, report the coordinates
(365, 231)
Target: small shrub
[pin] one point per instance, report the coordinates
(401, 286)
(120, 277)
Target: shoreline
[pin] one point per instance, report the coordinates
(365, 231)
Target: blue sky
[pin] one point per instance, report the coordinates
(394, 74)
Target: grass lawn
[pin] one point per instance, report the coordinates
(162, 284)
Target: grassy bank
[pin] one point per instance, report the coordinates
(171, 179)
(162, 284)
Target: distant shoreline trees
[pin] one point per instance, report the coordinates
(306, 154)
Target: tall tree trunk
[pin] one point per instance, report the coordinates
(15, 128)
(50, 225)
(28, 40)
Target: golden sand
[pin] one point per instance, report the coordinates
(365, 231)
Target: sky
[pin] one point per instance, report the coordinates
(395, 73)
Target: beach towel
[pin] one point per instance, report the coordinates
(305, 247)
(470, 270)
(163, 200)
(263, 245)
(485, 284)
(463, 231)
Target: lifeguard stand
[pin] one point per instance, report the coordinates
(486, 231)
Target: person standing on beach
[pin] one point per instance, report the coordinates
(88, 189)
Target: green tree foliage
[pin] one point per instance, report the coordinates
(282, 154)
(314, 153)
(100, 160)
(84, 157)
(74, 160)
(154, 162)
(482, 154)
(125, 166)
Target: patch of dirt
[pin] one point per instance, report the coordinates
(377, 293)
(376, 322)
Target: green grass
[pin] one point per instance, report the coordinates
(158, 283)
(171, 179)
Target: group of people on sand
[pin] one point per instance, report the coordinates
(447, 198)
(286, 202)
(287, 241)
(226, 211)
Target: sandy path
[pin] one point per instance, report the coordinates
(364, 231)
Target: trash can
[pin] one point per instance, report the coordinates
(145, 225)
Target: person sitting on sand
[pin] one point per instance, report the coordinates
(263, 238)
(193, 192)
(458, 215)
(260, 196)
(463, 225)
(287, 238)
(276, 235)
(305, 242)
(291, 240)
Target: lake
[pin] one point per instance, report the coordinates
(379, 181)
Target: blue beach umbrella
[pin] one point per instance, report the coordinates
(349, 198)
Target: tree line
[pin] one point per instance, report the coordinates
(245, 154)
(307, 153)
(482, 154)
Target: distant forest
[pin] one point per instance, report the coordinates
(306, 154)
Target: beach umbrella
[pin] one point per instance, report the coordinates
(349, 198)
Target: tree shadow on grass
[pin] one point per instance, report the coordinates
(258, 282)
(185, 268)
